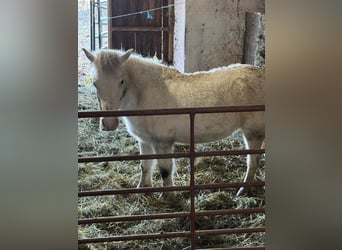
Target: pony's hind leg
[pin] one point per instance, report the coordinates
(146, 166)
(253, 140)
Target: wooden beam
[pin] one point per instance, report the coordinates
(251, 33)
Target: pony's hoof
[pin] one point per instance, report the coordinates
(242, 191)
(145, 186)
(167, 196)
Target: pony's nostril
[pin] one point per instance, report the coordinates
(110, 124)
(104, 126)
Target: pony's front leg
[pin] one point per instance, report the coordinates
(146, 166)
(165, 165)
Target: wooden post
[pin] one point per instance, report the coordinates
(171, 20)
(251, 33)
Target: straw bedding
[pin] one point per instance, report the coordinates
(116, 175)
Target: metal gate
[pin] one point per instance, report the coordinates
(192, 234)
(98, 24)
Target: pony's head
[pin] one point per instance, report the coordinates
(110, 82)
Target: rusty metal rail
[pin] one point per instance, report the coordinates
(174, 111)
(170, 215)
(163, 235)
(237, 248)
(173, 155)
(192, 188)
(169, 189)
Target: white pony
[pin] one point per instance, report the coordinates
(131, 82)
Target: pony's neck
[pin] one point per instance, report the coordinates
(145, 77)
(144, 73)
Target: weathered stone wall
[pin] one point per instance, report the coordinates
(210, 33)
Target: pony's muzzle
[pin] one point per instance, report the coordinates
(110, 123)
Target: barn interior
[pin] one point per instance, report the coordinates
(190, 35)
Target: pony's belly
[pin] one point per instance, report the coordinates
(213, 127)
(202, 136)
(209, 127)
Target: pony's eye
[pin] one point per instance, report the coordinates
(94, 83)
(122, 82)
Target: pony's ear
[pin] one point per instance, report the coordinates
(125, 56)
(90, 56)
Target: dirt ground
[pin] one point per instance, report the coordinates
(112, 175)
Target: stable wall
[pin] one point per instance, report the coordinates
(210, 33)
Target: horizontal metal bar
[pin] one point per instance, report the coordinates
(140, 29)
(236, 248)
(170, 215)
(230, 211)
(135, 237)
(132, 191)
(177, 111)
(172, 155)
(169, 189)
(134, 218)
(132, 157)
(230, 185)
(230, 152)
(171, 235)
(230, 231)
